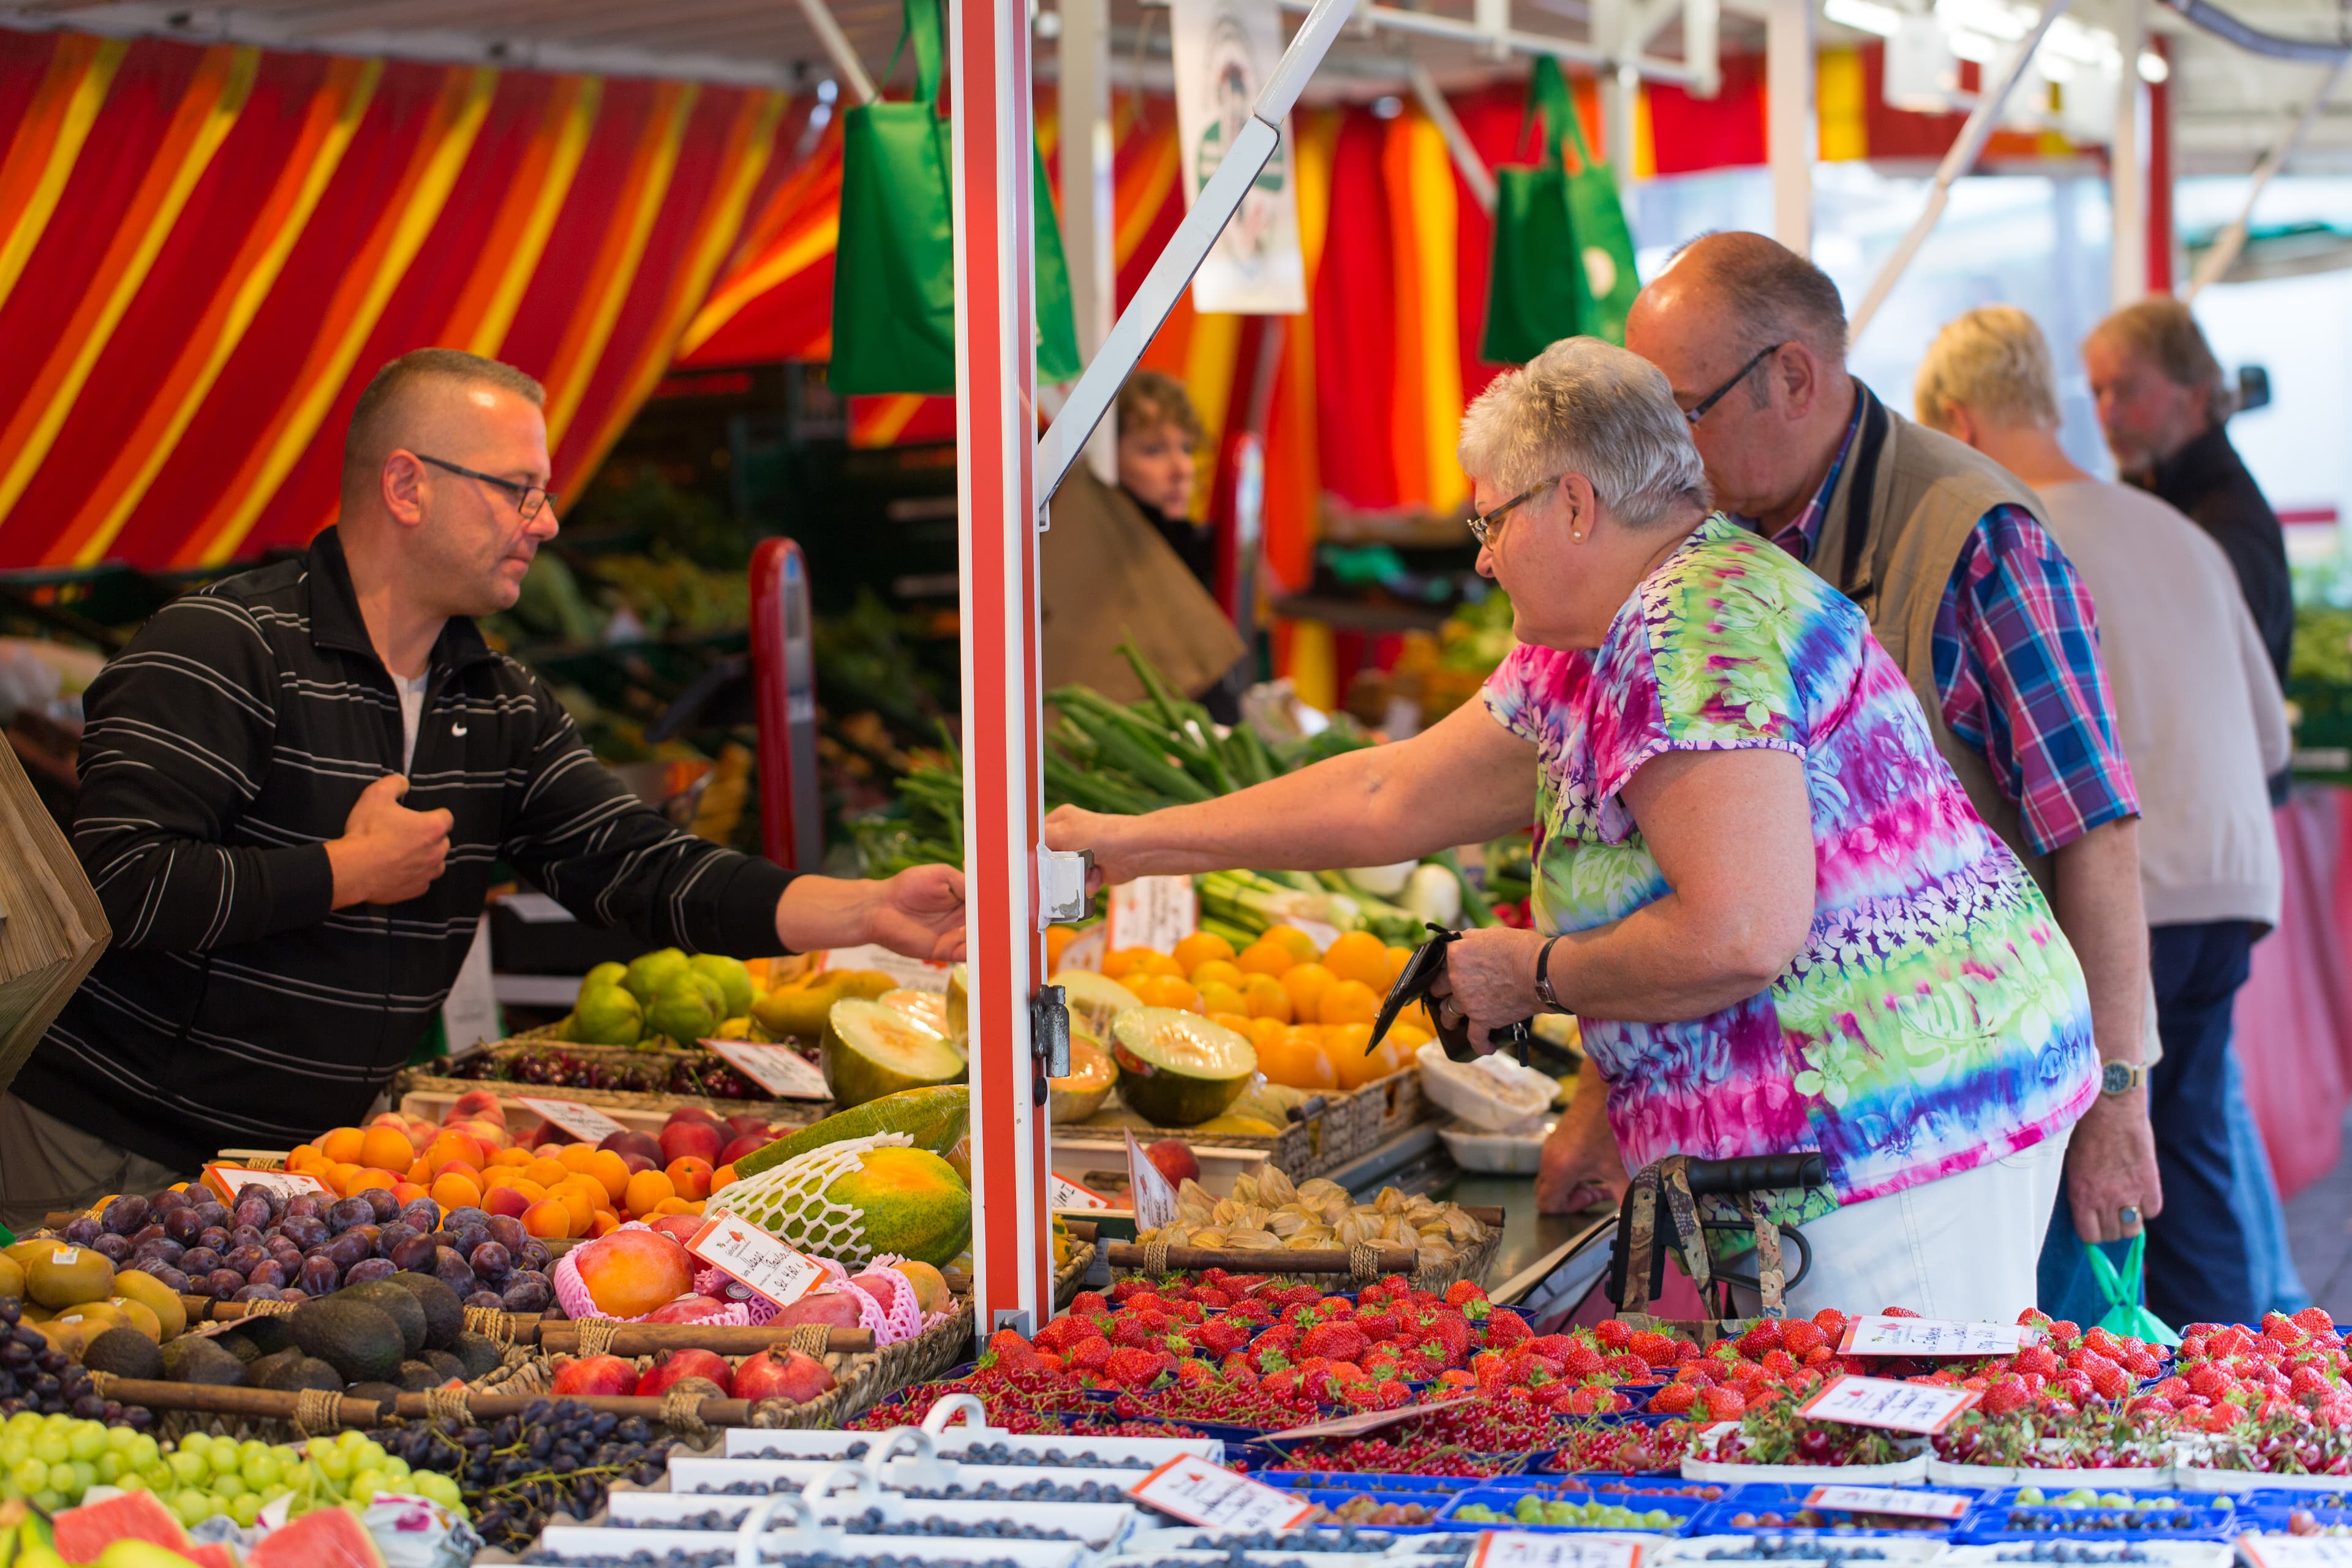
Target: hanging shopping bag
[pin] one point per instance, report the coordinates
(2125, 1292)
(894, 265)
(1562, 262)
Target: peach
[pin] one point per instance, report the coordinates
(491, 1135)
(739, 1148)
(547, 1219)
(746, 1124)
(455, 1146)
(646, 1189)
(408, 1193)
(479, 1105)
(833, 1309)
(688, 1309)
(594, 1375)
(683, 1363)
(682, 1227)
(703, 1140)
(690, 1176)
(576, 1203)
(504, 1198)
(630, 1272)
(629, 1141)
(693, 1113)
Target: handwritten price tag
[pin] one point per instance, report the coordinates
(1888, 1499)
(1874, 1335)
(1884, 1401)
(1152, 911)
(746, 1253)
(1369, 1420)
(1149, 1194)
(2296, 1550)
(585, 1123)
(226, 1180)
(1200, 1492)
(1061, 1193)
(1522, 1549)
(779, 1069)
(914, 974)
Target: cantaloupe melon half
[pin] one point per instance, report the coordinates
(1177, 1069)
(1095, 1001)
(870, 1049)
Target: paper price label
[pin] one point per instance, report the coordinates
(1371, 1420)
(914, 974)
(2296, 1550)
(585, 1123)
(1061, 1193)
(779, 1069)
(748, 1254)
(226, 1180)
(1200, 1491)
(1152, 911)
(1090, 947)
(1884, 1401)
(1889, 1499)
(1322, 935)
(1875, 1335)
(1149, 1194)
(1522, 1549)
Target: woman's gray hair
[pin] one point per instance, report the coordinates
(1588, 408)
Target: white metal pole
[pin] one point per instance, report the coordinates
(2127, 164)
(1791, 140)
(1701, 46)
(1467, 162)
(1613, 32)
(1089, 223)
(2233, 240)
(1957, 161)
(854, 79)
(1431, 24)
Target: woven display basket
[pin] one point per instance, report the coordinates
(429, 1079)
(1071, 1278)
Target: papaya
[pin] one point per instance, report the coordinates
(899, 1200)
(934, 1118)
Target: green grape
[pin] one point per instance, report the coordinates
(349, 1438)
(224, 1458)
(245, 1510)
(47, 1500)
(121, 1438)
(193, 1506)
(335, 1463)
(144, 1451)
(26, 1477)
(133, 1482)
(51, 1448)
(85, 1475)
(15, 1450)
(87, 1440)
(365, 1485)
(109, 1466)
(196, 1443)
(187, 1468)
(368, 1456)
(260, 1468)
(396, 1468)
(61, 1477)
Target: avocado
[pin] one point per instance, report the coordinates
(445, 1315)
(300, 1372)
(235, 1342)
(401, 1306)
(201, 1360)
(385, 1395)
(361, 1342)
(479, 1352)
(269, 1336)
(261, 1368)
(416, 1377)
(444, 1365)
(125, 1352)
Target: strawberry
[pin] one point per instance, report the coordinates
(2111, 1381)
(1505, 1330)
(1627, 1368)
(1455, 1333)
(1798, 1337)
(1765, 1336)
(1281, 1384)
(1614, 1333)
(1219, 1335)
(1831, 1324)
(1779, 1362)
(1722, 1404)
(1090, 1355)
(2039, 1358)
(1132, 1367)
(2141, 1363)
(1655, 1349)
(1897, 1313)
(1551, 1347)
(1089, 1304)
(1340, 1342)
(2208, 1381)
(1820, 1355)
(1010, 1349)
(1378, 1326)
(2104, 1341)
(2309, 1380)
(1696, 1374)
(2004, 1395)
(1192, 1371)
(1463, 1291)
(1580, 1361)
(1129, 1329)
(1674, 1399)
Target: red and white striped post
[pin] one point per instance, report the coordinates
(996, 364)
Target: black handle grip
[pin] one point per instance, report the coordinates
(1756, 1173)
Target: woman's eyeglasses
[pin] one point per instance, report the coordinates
(1698, 410)
(1482, 525)
(530, 499)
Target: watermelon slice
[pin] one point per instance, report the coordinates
(324, 1538)
(213, 1554)
(83, 1532)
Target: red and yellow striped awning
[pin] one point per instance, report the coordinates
(205, 253)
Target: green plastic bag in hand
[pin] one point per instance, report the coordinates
(894, 268)
(2126, 1298)
(1562, 260)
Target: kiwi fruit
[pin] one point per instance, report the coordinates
(136, 1315)
(61, 1276)
(361, 1342)
(12, 1278)
(125, 1352)
(479, 1352)
(401, 1306)
(300, 1372)
(445, 1315)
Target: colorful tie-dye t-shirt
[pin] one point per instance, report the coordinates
(1935, 1018)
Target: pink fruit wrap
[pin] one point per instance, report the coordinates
(900, 1318)
(572, 1292)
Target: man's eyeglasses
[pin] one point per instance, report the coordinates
(1698, 411)
(529, 499)
(1482, 524)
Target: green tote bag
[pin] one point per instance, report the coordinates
(894, 265)
(1563, 257)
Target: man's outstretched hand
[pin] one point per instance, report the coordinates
(388, 854)
(918, 912)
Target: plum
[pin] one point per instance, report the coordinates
(200, 1260)
(170, 1198)
(125, 1214)
(391, 1236)
(268, 1271)
(170, 1278)
(508, 1232)
(168, 1251)
(458, 1218)
(305, 1231)
(381, 1205)
(528, 1290)
(370, 1234)
(212, 1211)
(422, 1213)
(490, 1299)
(319, 1276)
(307, 1205)
(349, 1212)
(182, 1224)
(536, 1257)
(416, 1256)
(225, 1281)
(244, 1236)
(368, 1268)
(468, 1238)
(254, 1293)
(346, 1249)
(244, 1260)
(252, 1211)
(213, 1237)
(490, 1261)
(113, 1248)
(451, 1271)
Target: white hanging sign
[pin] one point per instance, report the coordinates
(1888, 1501)
(1156, 913)
(779, 1069)
(585, 1123)
(914, 974)
(1224, 52)
(747, 1253)
(1524, 1549)
(1887, 1402)
(1875, 1335)
(1061, 1193)
(228, 1179)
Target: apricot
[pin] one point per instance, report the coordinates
(690, 1176)
(367, 1179)
(610, 1170)
(408, 1193)
(646, 1189)
(505, 1198)
(630, 1272)
(545, 1171)
(722, 1177)
(605, 1223)
(386, 1149)
(575, 1157)
(342, 1145)
(675, 1205)
(547, 1219)
(420, 1171)
(452, 1190)
(576, 1205)
(302, 1156)
(340, 1178)
(451, 1146)
(510, 1155)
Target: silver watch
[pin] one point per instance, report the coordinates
(2121, 1077)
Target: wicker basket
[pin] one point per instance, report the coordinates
(1347, 1127)
(429, 1079)
(1071, 1278)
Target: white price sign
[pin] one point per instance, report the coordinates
(914, 974)
(1875, 1335)
(1150, 1194)
(1200, 1492)
(1157, 912)
(744, 1252)
(1320, 934)
(1061, 1193)
(779, 1069)
(226, 1180)
(1887, 1402)
(2296, 1550)
(585, 1123)
(1524, 1549)
(1890, 1500)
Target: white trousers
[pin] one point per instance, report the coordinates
(1964, 1247)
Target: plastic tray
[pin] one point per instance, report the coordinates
(1990, 1524)
(1503, 1499)
(1785, 1498)
(2149, 1477)
(1353, 1481)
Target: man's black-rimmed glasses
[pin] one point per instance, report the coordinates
(529, 499)
(1482, 525)
(1697, 411)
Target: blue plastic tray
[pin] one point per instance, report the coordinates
(1785, 1498)
(1362, 1482)
(1503, 1499)
(2209, 1518)
(1333, 1497)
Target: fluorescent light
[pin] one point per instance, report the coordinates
(1975, 47)
(2153, 68)
(1989, 17)
(1864, 16)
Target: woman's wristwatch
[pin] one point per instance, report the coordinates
(1544, 992)
(2115, 1078)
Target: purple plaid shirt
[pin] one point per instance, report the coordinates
(2017, 663)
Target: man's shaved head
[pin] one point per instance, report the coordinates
(419, 400)
(1770, 291)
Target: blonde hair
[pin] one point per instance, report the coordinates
(1152, 398)
(1588, 408)
(2161, 328)
(1993, 360)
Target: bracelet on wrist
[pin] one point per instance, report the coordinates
(1544, 992)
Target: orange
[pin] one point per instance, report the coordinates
(611, 1171)
(1349, 1002)
(1294, 1058)
(1165, 991)
(1417, 1017)
(1218, 972)
(367, 1178)
(1239, 1023)
(1058, 942)
(1262, 1030)
(648, 1188)
(386, 1149)
(453, 1191)
(722, 1177)
(690, 1175)
(1408, 1039)
(1346, 1043)
(547, 1219)
(575, 1157)
(1398, 958)
(1153, 963)
(1302, 946)
(1217, 996)
(576, 1203)
(604, 1224)
(1306, 982)
(546, 1170)
(1264, 957)
(1125, 961)
(342, 1145)
(1265, 996)
(1360, 955)
(1202, 947)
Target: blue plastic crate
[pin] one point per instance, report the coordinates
(1333, 1497)
(2188, 1516)
(1363, 1480)
(1505, 1500)
(1787, 1498)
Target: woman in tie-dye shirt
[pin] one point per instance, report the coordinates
(1759, 886)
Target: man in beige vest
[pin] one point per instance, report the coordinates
(1946, 553)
